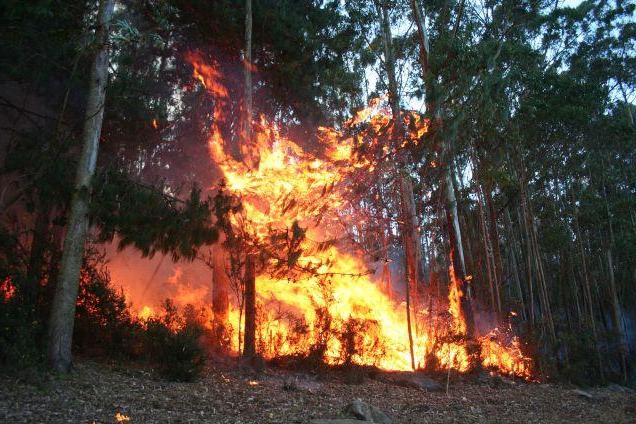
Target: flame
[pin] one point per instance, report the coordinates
(7, 289)
(146, 313)
(507, 359)
(121, 418)
(329, 301)
(454, 298)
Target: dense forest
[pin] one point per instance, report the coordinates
(440, 188)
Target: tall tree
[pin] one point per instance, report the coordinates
(434, 108)
(249, 345)
(62, 318)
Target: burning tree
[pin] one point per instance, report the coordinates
(296, 243)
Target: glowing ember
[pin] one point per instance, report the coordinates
(329, 302)
(121, 418)
(7, 289)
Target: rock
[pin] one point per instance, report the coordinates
(620, 389)
(335, 421)
(582, 393)
(415, 381)
(365, 412)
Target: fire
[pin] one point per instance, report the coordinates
(506, 359)
(7, 289)
(121, 418)
(329, 301)
(146, 313)
(454, 296)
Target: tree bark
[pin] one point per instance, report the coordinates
(249, 344)
(62, 319)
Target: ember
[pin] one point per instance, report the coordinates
(7, 289)
(121, 418)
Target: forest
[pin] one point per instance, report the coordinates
(319, 212)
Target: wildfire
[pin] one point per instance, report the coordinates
(337, 308)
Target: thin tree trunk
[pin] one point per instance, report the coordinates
(246, 147)
(249, 344)
(409, 235)
(515, 267)
(458, 273)
(39, 245)
(60, 331)
(617, 317)
(586, 289)
(523, 220)
(220, 294)
(484, 236)
(494, 242)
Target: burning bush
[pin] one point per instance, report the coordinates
(173, 343)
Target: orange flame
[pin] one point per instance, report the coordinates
(337, 308)
(121, 418)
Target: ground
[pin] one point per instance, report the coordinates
(101, 393)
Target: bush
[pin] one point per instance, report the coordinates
(173, 344)
(20, 337)
(103, 325)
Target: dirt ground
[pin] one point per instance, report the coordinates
(104, 393)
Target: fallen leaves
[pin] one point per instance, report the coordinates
(105, 394)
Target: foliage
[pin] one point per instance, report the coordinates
(173, 342)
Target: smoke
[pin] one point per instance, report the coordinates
(150, 281)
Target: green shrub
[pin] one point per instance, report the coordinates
(20, 337)
(173, 344)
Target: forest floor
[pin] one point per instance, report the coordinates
(98, 392)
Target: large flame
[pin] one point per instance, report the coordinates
(328, 301)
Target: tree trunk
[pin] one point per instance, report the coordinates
(246, 147)
(617, 318)
(39, 247)
(515, 268)
(62, 318)
(496, 249)
(457, 276)
(249, 344)
(458, 273)
(220, 294)
(586, 288)
(409, 228)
